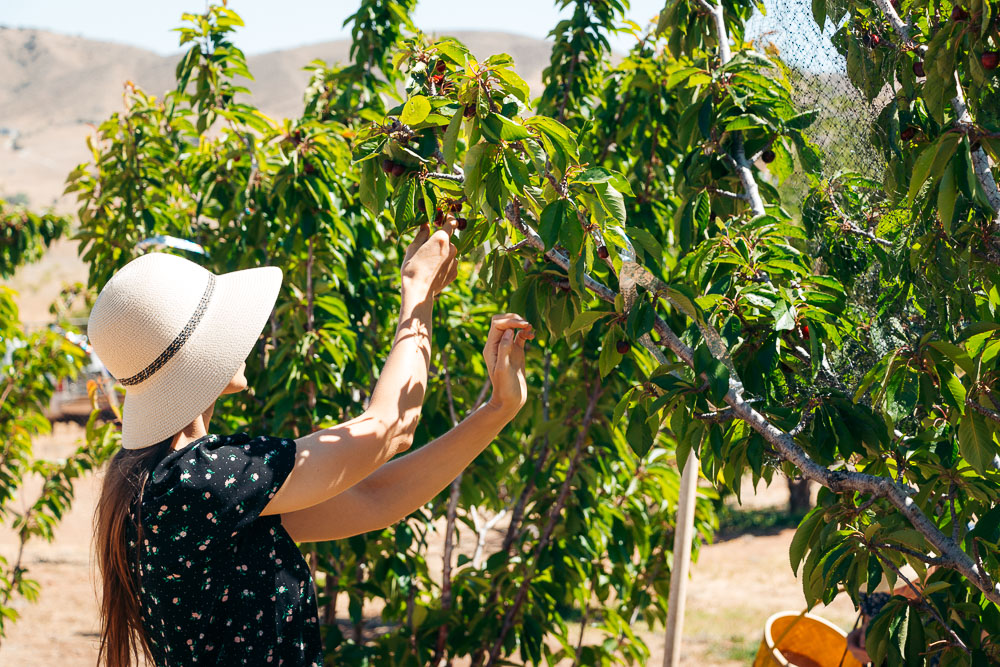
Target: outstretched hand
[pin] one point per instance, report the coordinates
(429, 264)
(504, 356)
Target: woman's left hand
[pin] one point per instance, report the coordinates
(504, 356)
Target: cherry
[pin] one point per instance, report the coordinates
(456, 206)
(908, 133)
(918, 68)
(804, 330)
(959, 14)
(398, 169)
(462, 223)
(421, 205)
(438, 217)
(990, 59)
(876, 40)
(767, 155)
(602, 251)
(387, 165)
(470, 110)
(440, 67)
(309, 168)
(623, 346)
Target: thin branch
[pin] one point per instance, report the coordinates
(930, 560)
(456, 486)
(726, 193)
(920, 596)
(550, 525)
(848, 225)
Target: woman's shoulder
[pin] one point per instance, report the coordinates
(180, 464)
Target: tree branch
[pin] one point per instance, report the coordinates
(553, 517)
(920, 596)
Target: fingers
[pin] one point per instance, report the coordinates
(450, 224)
(504, 351)
(422, 235)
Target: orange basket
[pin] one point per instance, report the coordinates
(803, 640)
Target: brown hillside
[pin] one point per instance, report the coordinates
(55, 88)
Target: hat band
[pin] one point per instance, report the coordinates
(179, 341)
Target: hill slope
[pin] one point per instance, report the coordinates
(54, 89)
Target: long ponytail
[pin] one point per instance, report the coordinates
(122, 636)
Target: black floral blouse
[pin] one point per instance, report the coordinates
(220, 584)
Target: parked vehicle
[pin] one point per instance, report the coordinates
(70, 400)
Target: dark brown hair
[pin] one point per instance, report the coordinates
(122, 636)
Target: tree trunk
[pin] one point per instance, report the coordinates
(798, 496)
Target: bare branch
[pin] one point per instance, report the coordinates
(920, 596)
(930, 560)
(726, 193)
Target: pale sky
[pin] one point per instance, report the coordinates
(272, 25)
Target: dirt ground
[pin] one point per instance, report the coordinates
(735, 586)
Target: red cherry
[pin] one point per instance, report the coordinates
(398, 169)
(421, 205)
(602, 251)
(623, 346)
(767, 156)
(908, 133)
(438, 217)
(918, 68)
(990, 59)
(387, 165)
(959, 14)
(462, 223)
(470, 110)
(440, 67)
(804, 329)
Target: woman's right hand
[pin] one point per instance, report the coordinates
(429, 264)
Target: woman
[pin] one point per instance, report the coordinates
(196, 531)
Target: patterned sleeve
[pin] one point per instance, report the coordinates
(218, 488)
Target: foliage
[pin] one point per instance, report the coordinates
(31, 363)
(592, 511)
(635, 220)
(24, 235)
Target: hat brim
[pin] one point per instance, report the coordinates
(193, 379)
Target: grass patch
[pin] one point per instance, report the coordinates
(734, 522)
(736, 647)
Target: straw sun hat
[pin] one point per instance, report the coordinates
(174, 334)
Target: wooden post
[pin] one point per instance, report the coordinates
(683, 536)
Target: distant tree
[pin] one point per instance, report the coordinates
(30, 366)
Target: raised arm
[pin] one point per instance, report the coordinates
(404, 484)
(333, 459)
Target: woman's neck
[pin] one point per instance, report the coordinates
(196, 429)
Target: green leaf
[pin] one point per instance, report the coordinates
(451, 137)
(975, 441)
(952, 389)
(498, 128)
(612, 201)
(585, 319)
(947, 191)
(805, 536)
(415, 110)
(784, 316)
(609, 352)
(552, 219)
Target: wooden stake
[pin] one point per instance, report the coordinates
(682, 562)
